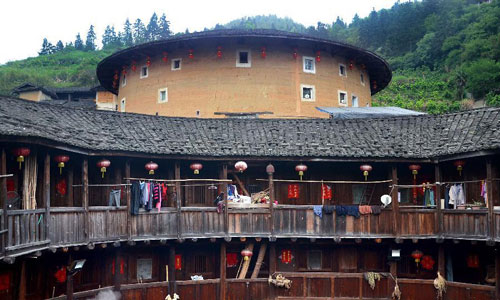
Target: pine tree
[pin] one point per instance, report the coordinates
(59, 46)
(164, 27)
(139, 32)
(90, 42)
(127, 38)
(79, 42)
(45, 47)
(152, 32)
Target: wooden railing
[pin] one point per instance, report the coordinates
(26, 229)
(470, 224)
(347, 286)
(67, 226)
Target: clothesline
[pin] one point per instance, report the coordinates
(6, 175)
(179, 180)
(102, 185)
(329, 181)
(441, 183)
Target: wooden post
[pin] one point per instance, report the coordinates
(69, 280)
(222, 288)
(270, 173)
(70, 178)
(441, 260)
(171, 270)
(226, 204)
(491, 202)
(22, 281)
(439, 217)
(3, 198)
(128, 189)
(85, 195)
(118, 276)
(178, 197)
(497, 274)
(395, 203)
(46, 194)
(272, 267)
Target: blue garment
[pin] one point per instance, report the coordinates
(144, 193)
(429, 197)
(447, 198)
(114, 196)
(347, 210)
(318, 210)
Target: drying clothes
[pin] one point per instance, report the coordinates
(219, 198)
(164, 189)
(429, 197)
(365, 209)
(318, 210)
(484, 192)
(157, 196)
(457, 196)
(447, 198)
(328, 209)
(149, 203)
(347, 210)
(144, 193)
(376, 209)
(114, 196)
(220, 207)
(135, 199)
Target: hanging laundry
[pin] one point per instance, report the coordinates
(429, 197)
(328, 209)
(326, 192)
(484, 192)
(457, 196)
(157, 196)
(376, 209)
(293, 191)
(318, 210)
(365, 209)
(114, 197)
(347, 210)
(135, 198)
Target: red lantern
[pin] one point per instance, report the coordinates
(351, 64)
(61, 160)
(366, 170)
(133, 67)
(301, 168)
(196, 167)
(116, 76)
(219, 51)
(417, 255)
(286, 256)
(473, 261)
(427, 262)
(21, 153)
(246, 253)
(263, 52)
(318, 56)
(460, 166)
(60, 275)
(374, 84)
(151, 167)
(124, 70)
(165, 56)
(231, 259)
(191, 53)
(241, 166)
(178, 262)
(295, 53)
(148, 61)
(293, 191)
(414, 170)
(103, 164)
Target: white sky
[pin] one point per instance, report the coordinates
(24, 23)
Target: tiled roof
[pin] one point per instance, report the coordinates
(423, 136)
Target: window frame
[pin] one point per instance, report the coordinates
(124, 80)
(362, 78)
(160, 101)
(172, 66)
(313, 92)
(304, 58)
(243, 65)
(352, 100)
(147, 72)
(123, 104)
(316, 252)
(340, 70)
(346, 98)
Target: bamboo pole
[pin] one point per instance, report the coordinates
(260, 258)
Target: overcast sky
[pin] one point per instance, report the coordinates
(24, 23)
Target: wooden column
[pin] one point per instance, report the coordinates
(3, 197)
(69, 280)
(128, 189)
(222, 285)
(439, 217)
(491, 203)
(395, 203)
(118, 276)
(178, 197)
(22, 281)
(226, 204)
(85, 195)
(272, 267)
(70, 178)
(441, 260)
(171, 270)
(497, 274)
(46, 193)
(270, 173)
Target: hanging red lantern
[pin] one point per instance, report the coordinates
(427, 262)
(196, 167)
(301, 168)
(151, 167)
(191, 53)
(124, 70)
(293, 191)
(61, 160)
(366, 170)
(295, 53)
(460, 166)
(148, 61)
(414, 170)
(473, 261)
(263, 52)
(318, 56)
(286, 256)
(246, 253)
(417, 255)
(351, 64)
(241, 166)
(133, 67)
(116, 76)
(21, 153)
(178, 262)
(60, 275)
(219, 52)
(374, 85)
(103, 164)
(164, 56)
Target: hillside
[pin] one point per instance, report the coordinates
(444, 53)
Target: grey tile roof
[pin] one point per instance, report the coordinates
(398, 137)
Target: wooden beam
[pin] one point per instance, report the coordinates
(441, 260)
(439, 212)
(395, 203)
(85, 195)
(241, 185)
(222, 287)
(171, 270)
(46, 193)
(22, 281)
(491, 202)
(129, 199)
(497, 274)
(271, 200)
(3, 198)
(226, 204)
(178, 197)
(118, 276)
(272, 267)
(258, 263)
(70, 178)
(246, 263)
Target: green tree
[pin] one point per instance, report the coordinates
(59, 46)
(79, 43)
(139, 32)
(482, 76)
(127, 38)
(90, 41)
(153, 30)
(164, 27)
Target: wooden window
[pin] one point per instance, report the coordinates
(163, 95)
(362, 78)
(243, 59)
(342, 98)
(355, 101)
(314, 259)
(309, 65)
(307, 92)
(144, 269)
(200, 264)
(144, 72)
(176, 64)
(342, 70)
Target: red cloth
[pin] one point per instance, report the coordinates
(61, 187)
(326, 192)
(231, 259)
(60, 275)
(293, 191)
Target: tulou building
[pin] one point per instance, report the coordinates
(221, 177)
